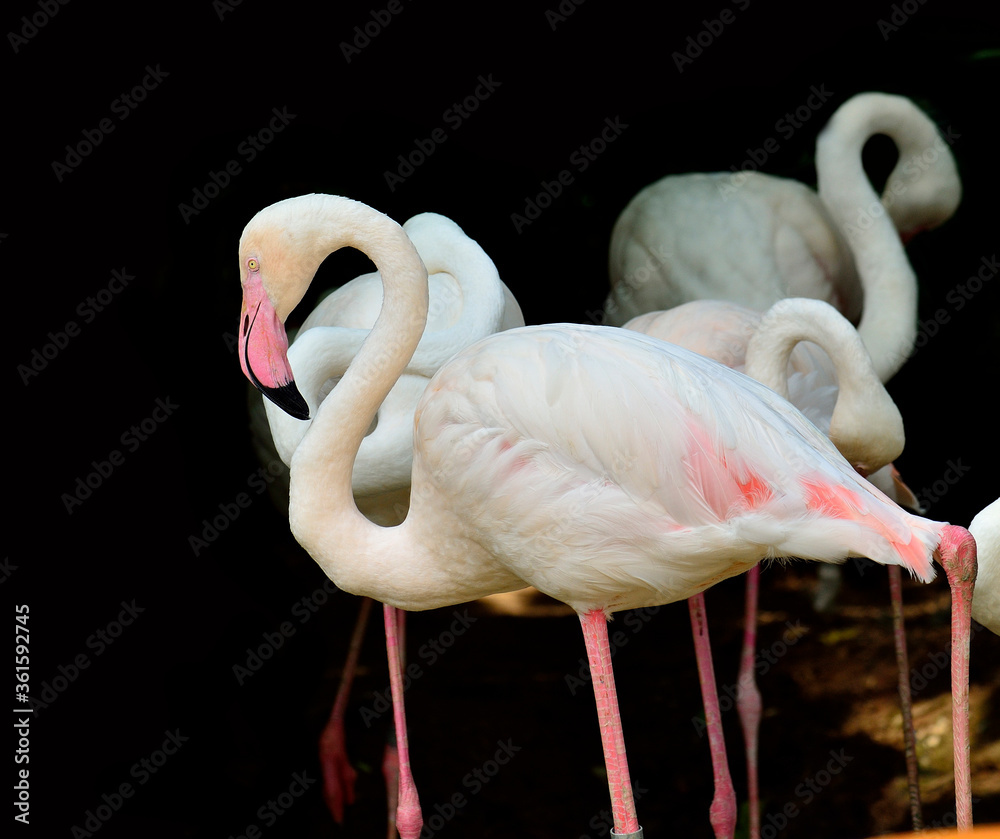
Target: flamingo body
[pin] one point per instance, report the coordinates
(686, 238)
(516, 480)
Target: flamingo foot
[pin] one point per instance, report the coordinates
(957, 554)
(409, 820)
(338, 774)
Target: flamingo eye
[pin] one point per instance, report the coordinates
(253, 264)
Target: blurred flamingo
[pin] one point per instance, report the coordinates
(753, 239)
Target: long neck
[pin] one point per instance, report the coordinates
(866, 425)
(323, 513)
(317, 355)
(444, 248)
(889, 318)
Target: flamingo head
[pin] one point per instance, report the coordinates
(278, 260)
(867, 428)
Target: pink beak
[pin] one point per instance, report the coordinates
(263, 349)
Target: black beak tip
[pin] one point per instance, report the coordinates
(288, 398)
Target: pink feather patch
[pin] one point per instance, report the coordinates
(839, 502)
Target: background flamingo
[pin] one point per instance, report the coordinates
(508, 442)
(752, 238)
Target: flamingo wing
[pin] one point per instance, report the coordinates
(701, 465)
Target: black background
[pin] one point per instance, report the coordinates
(168, 335)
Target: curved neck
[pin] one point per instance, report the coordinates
(866, 425)
(317, 355)
(446, 249)
(323, 514)
(889, 318)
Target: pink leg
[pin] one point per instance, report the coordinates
(390, 755)
(957, 554)
(595, 635)
(748, 701)
(338, 774)
(905, 699)
(722, 813)
(409, 819)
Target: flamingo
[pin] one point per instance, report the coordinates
(607, 469)
(986, 601)
(753, 238)
(810, 354)
(467, 300)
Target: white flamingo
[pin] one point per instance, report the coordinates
(467, 300)
(607, 469)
